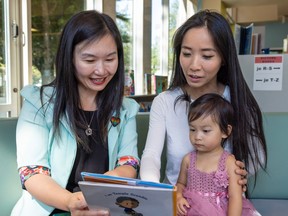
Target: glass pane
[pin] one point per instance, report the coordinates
(173, 24)
(3, 76)
(48, 19)
(156, 34)
(124, 21)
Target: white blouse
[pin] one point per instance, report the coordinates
(171, 123)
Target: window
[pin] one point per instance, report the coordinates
(146, 26)
(124, 21)
(8, 69)
(4, 76)
(47, 20)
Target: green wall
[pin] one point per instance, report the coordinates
(275, 33)
(273, 183)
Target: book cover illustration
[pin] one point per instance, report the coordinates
(159, 84)
(125, 196)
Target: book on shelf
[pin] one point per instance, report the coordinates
(243, 38)
(147, 83)
(128, 196)
(129, 83)
(256, 44)
(158, 84)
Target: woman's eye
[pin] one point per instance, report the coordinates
(186, 54)
(207, 56)
(89, 60)
(109, 60)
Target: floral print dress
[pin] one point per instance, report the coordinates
(207, 193)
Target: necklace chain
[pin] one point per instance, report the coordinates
(89, 130)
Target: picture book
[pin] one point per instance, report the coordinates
(158, 84)
(128, 196)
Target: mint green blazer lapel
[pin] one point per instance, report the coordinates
(113, 138)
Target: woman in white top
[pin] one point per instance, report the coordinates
(205, 61)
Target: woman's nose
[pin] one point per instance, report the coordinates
(195, 63)
(99, 68)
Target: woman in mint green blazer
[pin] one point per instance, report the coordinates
(78, 122)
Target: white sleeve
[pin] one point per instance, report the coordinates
(151, 158)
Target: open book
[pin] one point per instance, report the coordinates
(127, 196)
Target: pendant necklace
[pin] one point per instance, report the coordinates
(88, 130)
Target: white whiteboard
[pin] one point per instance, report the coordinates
(270, 99)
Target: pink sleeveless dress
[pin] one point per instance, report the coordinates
(207, 193)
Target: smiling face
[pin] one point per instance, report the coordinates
(199, 60)
(96, 63)
(205, 134)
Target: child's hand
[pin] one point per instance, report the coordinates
(182, 204)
